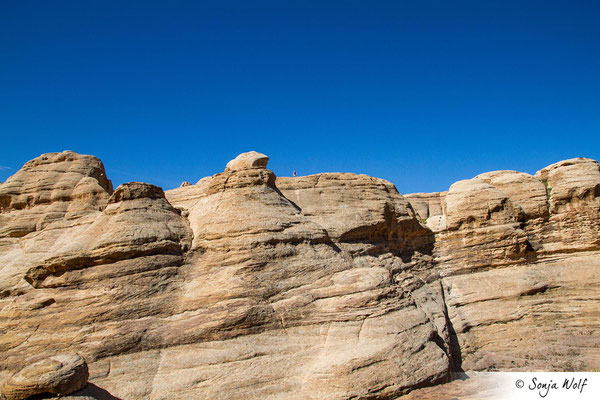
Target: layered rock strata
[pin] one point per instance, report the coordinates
(519, 257)
(333, 286)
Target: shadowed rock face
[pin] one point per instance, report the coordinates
(246, 285)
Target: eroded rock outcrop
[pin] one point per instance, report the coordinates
(229, 290)
(49, 188)
(520, 265)
(318, 319)
(483, 228)
(333, 286)
(573, 188)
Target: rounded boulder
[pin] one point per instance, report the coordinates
(61, 374)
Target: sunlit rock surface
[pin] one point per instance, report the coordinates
(330, 286)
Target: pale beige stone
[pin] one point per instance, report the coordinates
(532, 317)
(524, 190)
(353, 207)
(329, 286)
(427, 205)
(474, 203)
(574, 200)
(251, 159)
(42, 191)
(571, 181)
(437, 223)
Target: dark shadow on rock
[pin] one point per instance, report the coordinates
(94, 392)
(334, 247)
(454, 344)
(293, 204)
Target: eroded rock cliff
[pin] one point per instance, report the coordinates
(519, 259)
(330, 286)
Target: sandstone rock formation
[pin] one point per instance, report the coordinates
(51, 188)
(60, 374)
(332, 286)
(519, 260)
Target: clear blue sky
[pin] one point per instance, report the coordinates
(422, 93)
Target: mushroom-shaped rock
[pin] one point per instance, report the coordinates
(60, 374)
(249, 160)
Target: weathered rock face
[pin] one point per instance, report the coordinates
(574, 200)
(482, 228)
(519, 256)
(332, 286)
(427, 205)
(524, 191)
(230, 291)
(309, 320)
(357, 208)
(78, 283)
(51, 187)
